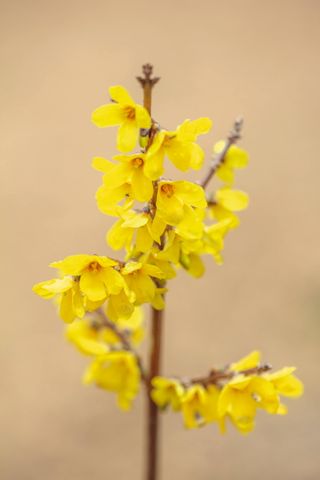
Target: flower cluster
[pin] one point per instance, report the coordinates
(163, 225)
(235, 393)
(115, 366)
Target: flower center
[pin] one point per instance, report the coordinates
(94, 267)
(130, 112)
(167, 189)
(137, 162)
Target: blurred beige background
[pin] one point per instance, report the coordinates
(220, 59)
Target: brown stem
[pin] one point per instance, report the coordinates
(233, 136)
(147, 84)
(152, 445)
(216, 376)
(153, 412)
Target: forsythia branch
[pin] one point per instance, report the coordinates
(233, 137)
(215, 376)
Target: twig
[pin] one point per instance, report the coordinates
(123, 339)
(234, 135)
(147, 84)
(215, 376)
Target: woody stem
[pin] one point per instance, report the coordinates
(153, 412)
(152, 444)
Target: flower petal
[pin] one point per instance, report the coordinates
(92, 285)
(190, 193)
(127, 135)
(120, 95)
(108, 115)
(234, 200)
(142, 187)
(142, 117)
(102, 164)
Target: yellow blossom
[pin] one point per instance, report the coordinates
(138, 277)
(86, 337)
(194, 406)
(285, 383)
(179, 146)
(117, 372)
(98, 278)
(211, 413)
(121, 305)
(249, 361)
(241, 397)
(123, 112)
(71, 302)
(191, 226)
(213, 239)
(135, 231)
(235, 157)
(93, 338)
(132, 326)
(192, 263)
(128, 171)
(181, 252)
(225, 202)
(173, 197)
(158, 302)
(108, 199)
(164, 265)
(167, 392)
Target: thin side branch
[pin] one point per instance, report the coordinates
(123, 337)
(216, 376)
(234, 135)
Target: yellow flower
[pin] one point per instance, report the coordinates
(213, 239)
(158, 299)
(249, 361)
(135, 231)
(234, 158)
(179, 146)
(132, 326)
(71, 302)
(192, 263)
(225, 202)
(285, 383)
(191, 226)
(129, 171)
(98, 278)
(181, 252)
(109, 197)
(117, 372)
(211, 413)
(240, 398)
(164, 265)
(87, 338)
(167, 392)
(121, 305)
(123, 112)
(173, 197)
(194, 406)
(138, 277)
(93, 338)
